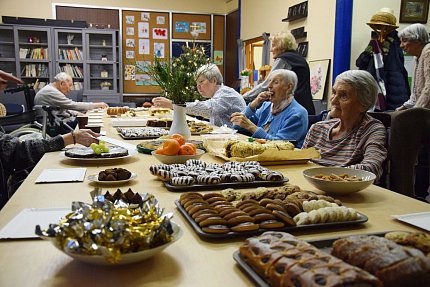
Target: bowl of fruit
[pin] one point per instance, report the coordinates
(176, 150)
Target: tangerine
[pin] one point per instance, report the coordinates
(186, 149)
(171, 147)
(159, 150)
(179, 138)
(193, 146)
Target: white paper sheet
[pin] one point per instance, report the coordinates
(421, 219)
(24, 224)
(61, 175)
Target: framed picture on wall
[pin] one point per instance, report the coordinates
(414, 11)
(318, 77)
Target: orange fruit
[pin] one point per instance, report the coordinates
(159, 150)
(171, 147)
(186, 149)
(179, 138)
(193, 146)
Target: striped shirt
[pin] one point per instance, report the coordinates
(363, 148)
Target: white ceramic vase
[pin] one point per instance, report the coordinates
(179, 124)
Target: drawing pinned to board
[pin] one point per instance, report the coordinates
(161, 20)
(143, 29)
(218, 57)
(145, 16)
(129, 31)
(159, 33)
(144, 48)
(129, 43)
(199, 27)
(182, 27)
(129, 72)
(318, 75)
(144, 80)
(129, 54)
(142, 66)
(159, 50)
(129, 19)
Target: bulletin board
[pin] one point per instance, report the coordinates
(218, 41)
(144, 34)
(183, 24)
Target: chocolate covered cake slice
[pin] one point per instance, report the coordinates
(80, 152)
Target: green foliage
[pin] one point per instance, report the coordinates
(177, 78)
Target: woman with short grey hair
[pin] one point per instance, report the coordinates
(414, 40)
(352, 138)
(275, 114)
(222, 100)
(284, 51)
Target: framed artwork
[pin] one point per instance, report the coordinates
(302, 48)
(318, 76)
(414, 11)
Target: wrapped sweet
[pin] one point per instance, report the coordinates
(110, 229)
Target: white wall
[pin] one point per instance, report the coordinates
(266, 16)
(362, 12)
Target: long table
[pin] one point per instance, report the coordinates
(191, 261)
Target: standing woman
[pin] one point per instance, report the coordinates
(414, 40)
(284, 52)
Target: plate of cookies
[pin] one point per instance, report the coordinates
(112, 176)
(231, 213)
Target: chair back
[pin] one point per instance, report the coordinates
(410, 132)
(385, 119)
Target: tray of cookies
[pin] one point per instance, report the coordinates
(231, 213)
(279, 258)
(196, 174)
(142, 133)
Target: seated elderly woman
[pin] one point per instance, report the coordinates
(275, 114)
(223, 100)
(352, 138)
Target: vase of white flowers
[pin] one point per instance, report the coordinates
(177, 79)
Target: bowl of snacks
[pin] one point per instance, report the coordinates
(115, 229)
(339, 180)
(175, 149)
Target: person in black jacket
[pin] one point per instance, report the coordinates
(384, 59)
(16, 155)
(284, 52)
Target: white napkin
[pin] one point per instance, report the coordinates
(61, 175)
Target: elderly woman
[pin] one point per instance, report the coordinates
(223, 100)
(284, 52)
(414, 40)
(353, 138)
(275, 114)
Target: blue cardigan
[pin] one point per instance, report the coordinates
(290, 124)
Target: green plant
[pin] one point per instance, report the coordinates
(177, 78)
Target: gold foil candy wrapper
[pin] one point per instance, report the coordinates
(111, 229)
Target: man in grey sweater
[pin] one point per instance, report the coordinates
(55, 94)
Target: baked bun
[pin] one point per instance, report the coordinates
(147, 104)
(113, 111)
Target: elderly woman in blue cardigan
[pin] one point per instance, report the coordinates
(275, 114)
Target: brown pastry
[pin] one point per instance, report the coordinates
(284, 260)
(284, 217)
(216, 229)
(244, 227)
(214, 220)
(394, 264)
(239, 219)
(271, 224)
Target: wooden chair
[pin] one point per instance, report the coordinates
(410, 133)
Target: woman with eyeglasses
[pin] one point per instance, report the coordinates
(414, 40)
(352, 138)
(275, 114)
(222, 100)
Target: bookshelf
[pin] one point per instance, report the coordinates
(101, 67)
(33, 54)
(69, 55)
(90, 56)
